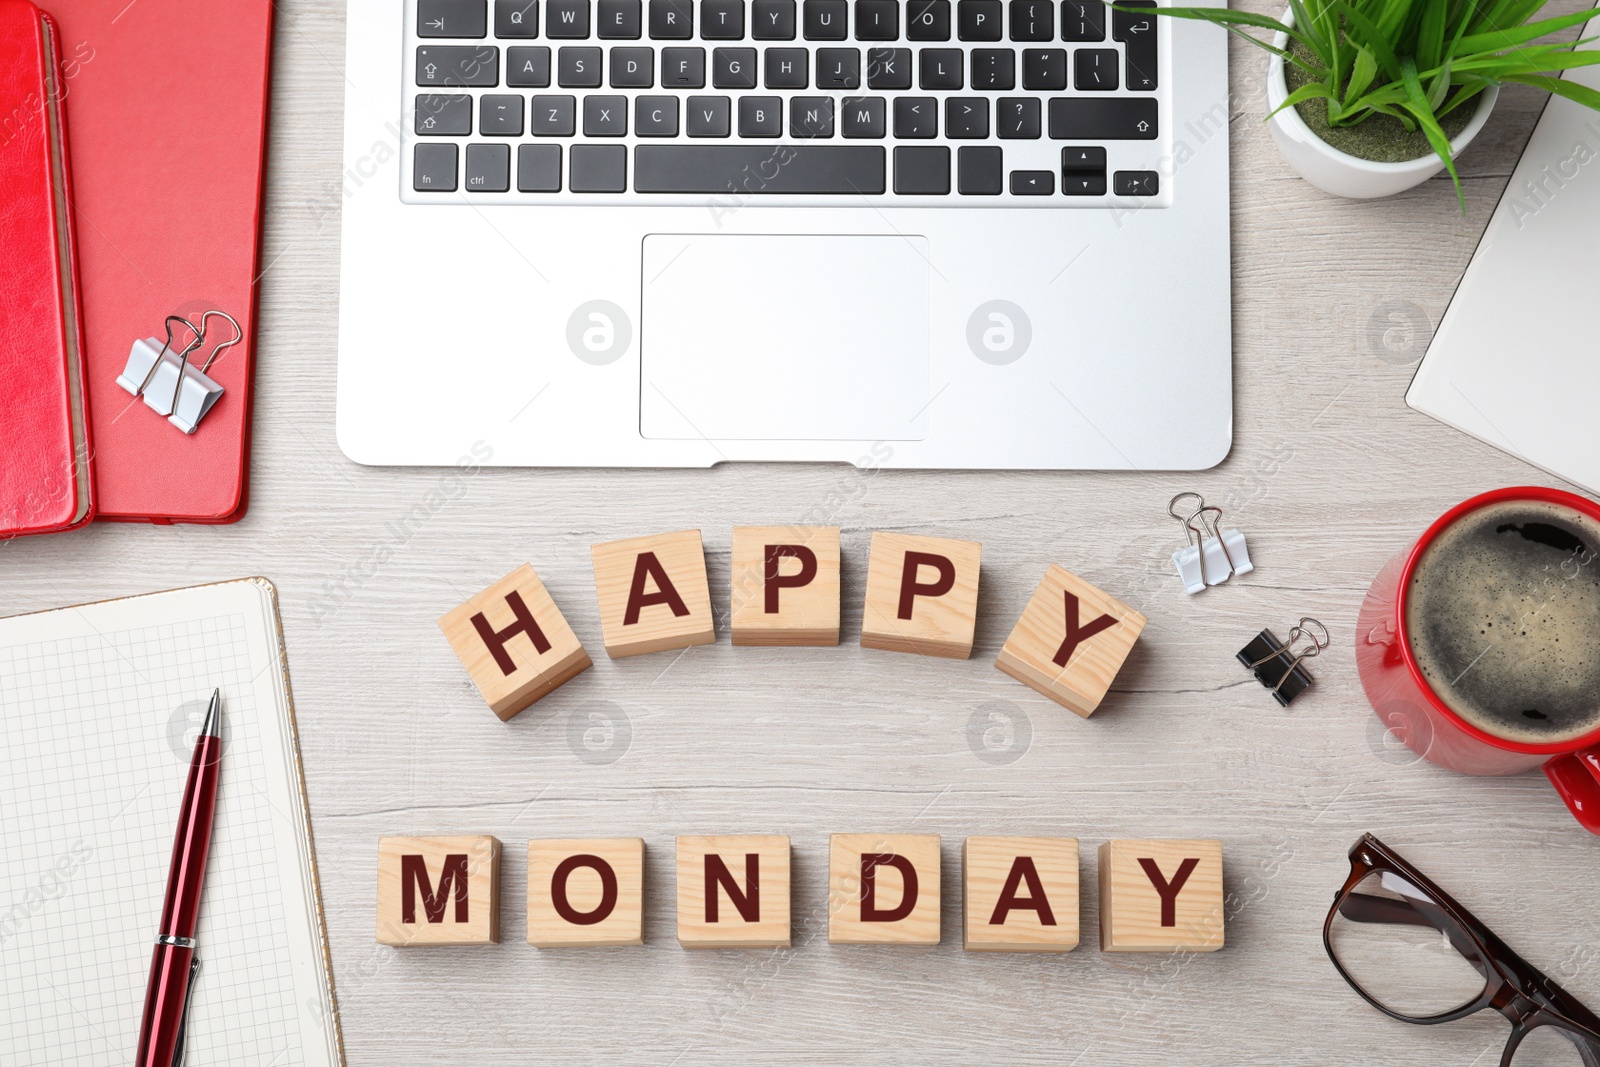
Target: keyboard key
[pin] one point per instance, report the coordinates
(620, 20)
(1017, 117)
(707, 116)
(633, 68)
(1083, 183)
(538, 168)
(941, 68)
(1137, 31)
(773, 20)
(578, 68)
(978, 20)
(1083, 20)
(916, 116)
(1136, 183)
(459, 65)
(599, 168)
(966, 118)
(1032, 183)
(825, 20)
(605, 116)
(683, 68)
(862, 116)
(1033, 20)
(922, 171)
(722, 20)
(1103, 119)
(437, 115)
(838, 68)
(979, 170)
(760, 116)
(733, 68)
(488, 168)
(1096, 69)
(928, 20)
(554, 116)
(433, 168)
(516, 18)
(888, 68)
(452, 18)
(567, 19)
(877, 20)
(499, 116)
(810, 116)
(758, 169)
(671, 20)
(655, 116)
(994, 68)
(528, 67)
(786, 68)
(1044, 68)
(1083, 158)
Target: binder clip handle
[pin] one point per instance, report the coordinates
(183, 353)
(238, 335)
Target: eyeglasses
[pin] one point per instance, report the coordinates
(1416, 955)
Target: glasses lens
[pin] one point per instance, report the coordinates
(1403, 951)
(1550, 1046)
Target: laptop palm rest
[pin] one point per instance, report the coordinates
(780, 338)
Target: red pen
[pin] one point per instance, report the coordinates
(172, 970)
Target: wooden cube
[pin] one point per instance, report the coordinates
(1161, 896)
(438, 890)
(883, 889)
(514, 643)
(922, 595)
(1020, 895)
(1071, 641)
(586, 892)
(785, 585)
(653, 593)
(733, 892)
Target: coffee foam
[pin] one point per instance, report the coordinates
(1503, 617)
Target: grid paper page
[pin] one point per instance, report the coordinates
(99, 707)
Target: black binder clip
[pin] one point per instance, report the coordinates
(1277, 664)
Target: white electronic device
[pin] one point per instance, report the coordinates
(672, 233)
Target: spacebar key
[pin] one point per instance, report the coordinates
(740, 170)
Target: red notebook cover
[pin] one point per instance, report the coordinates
(168, 103)
(45, 484)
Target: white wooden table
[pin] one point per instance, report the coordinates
(1330, 474)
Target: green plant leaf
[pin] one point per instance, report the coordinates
(1418, 105)
(1309, 91)
(1372, 37)
(1362, 72)
(1501, 40)
(1430, 35)
(1561, 87)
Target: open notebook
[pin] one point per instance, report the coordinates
(99, 706)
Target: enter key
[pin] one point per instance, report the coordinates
(1136, 29)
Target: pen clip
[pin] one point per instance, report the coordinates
(183, 1021)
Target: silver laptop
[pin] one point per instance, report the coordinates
(1513, 362)
(673, 233)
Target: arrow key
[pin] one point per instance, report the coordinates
(1032, 183)
(452, 18)
(1083, 183)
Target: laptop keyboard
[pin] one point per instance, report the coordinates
(1026, 102)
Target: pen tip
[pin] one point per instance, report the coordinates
(212, 727)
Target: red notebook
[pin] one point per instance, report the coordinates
(45, 482)
(168, 101)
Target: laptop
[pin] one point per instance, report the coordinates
(677, 233)
(1512, 362)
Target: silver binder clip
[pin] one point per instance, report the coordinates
(1211, 555)
(167, 380)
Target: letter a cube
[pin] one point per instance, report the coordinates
(883, 889)
(1161, 896)
(438, 890)
(1021, 894)
(1071, 641)
(514, 643)
(653, 593)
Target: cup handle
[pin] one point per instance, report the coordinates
(1576, 777)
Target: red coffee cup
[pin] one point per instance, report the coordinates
(1405, 703)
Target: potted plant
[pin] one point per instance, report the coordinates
(1370, 97)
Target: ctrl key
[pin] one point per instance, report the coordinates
(433, 168)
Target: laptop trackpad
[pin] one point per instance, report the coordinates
(784, 338)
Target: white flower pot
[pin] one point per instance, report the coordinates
(1340, 173)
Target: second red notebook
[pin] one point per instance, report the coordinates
(168, 101)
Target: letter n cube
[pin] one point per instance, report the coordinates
(438, 890)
